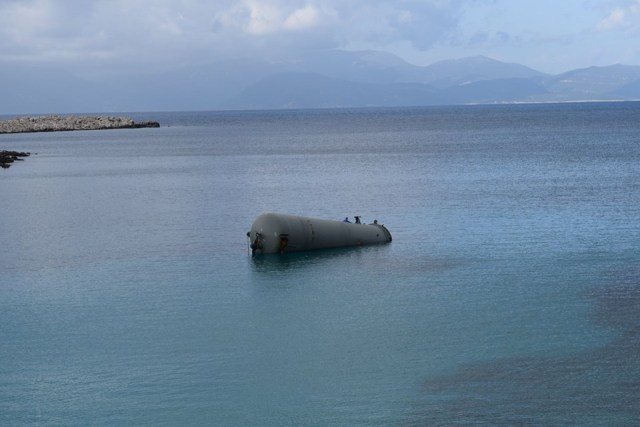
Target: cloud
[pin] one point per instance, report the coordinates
(625, 16)
(484, 39)
(615, 19)
(86, 31)
(263, 18)
(420, 23)
(303, 18)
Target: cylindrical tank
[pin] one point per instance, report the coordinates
(279, 233)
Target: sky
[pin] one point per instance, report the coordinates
(126, 36)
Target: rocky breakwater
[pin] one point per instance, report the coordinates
(68, 123)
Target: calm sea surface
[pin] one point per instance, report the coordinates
(510, 294)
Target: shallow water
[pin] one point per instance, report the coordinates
(509, 295)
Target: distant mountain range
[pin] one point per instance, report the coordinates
(319, 80)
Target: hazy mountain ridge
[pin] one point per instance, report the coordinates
(455, 72)
(319, 80)
(474, 80)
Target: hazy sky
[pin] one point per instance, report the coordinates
(128, 35)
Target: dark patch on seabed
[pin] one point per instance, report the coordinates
(599, 387)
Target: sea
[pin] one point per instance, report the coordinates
(509, 296)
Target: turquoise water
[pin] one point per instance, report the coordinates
(509, 296)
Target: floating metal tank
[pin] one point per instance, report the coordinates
(279, 233)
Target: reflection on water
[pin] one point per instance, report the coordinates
(293, 261)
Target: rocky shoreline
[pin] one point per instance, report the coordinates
(8, 157)
(69, 123)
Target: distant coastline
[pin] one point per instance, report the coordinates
(58, 123)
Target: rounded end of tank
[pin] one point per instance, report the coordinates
(266, 234)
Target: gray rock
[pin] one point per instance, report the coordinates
(8, 157)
